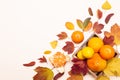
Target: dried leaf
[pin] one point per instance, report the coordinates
(112, 68)
(90, 11)
(43, 59)
(107, 34)
(108, 17)
(115, 31)
(69, 47)
(75, 76)
(98, 27)
(69, 26)
(29, 64)
(47, 52)
(80, 24)
(108, 40)
(58, 75)
(88, 27)
(106, 5)
(43, 73)
(62, 35)
(54, 44)
(86, 21)
(103, 77)
(99, 14)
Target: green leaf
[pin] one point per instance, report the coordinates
(113, 68)
(86, 21)
(80, 24)
(43, 73)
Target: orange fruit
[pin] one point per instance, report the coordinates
(58, 59)
(95, 43)
(77, 36)
(96, 63)
(107, 52)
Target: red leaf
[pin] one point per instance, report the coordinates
(98, 27)
(29, 64)
(108, 40)
(90, 11)
(43, 59)
(108, 17)
(99, 14)
(69, 47)
(58, 75)
(62, 35)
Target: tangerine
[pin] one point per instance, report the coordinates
(77, 36)
(107, 52)
(95, 43)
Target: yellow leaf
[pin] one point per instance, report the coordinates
(69, 26)
(106, 5)
(54, 44)
(103, 77)
(47, 52)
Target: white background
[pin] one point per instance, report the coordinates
(27, 27)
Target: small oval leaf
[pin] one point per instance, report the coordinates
(86, 21)
(108, 17)
(80, 24)
(29, 64)
(47, 52)
(99, 14)
(69, 26)
(90, 11)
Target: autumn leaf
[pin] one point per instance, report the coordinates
(86, 21)
(75, 76)
(62, 35)
(103, 77)
(98, 27)
(88, 27)
(47, 52)
(108, 17)
(112, 68)
(90, 11)
(106, 5)
(43, 59)
(108, 40)
(29, 64)
(69, 26)
(58, 75)
(99, 14)
(69, 47)
(80, 24)
(54, 44)
(43, 73)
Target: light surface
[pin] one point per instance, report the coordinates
(27, 27)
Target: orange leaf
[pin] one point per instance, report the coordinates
(107, 34)
(62, 35)
(108, 17)
(88, 27)
(99, 14)
(69, 26)
(90, 11)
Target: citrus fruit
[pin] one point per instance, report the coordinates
(96, 63)
(87, 52)
(95, 43)
(77, 36)
(58, 59)
(79, 55)
(107, 52)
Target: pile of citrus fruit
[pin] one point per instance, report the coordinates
(96, 54)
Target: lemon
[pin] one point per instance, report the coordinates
(79, 55)
(87, 52)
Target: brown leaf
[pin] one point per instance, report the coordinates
(43, 59)
(62, 35)
(99, 14)
(90, 11)
(108, 17)
(98, 27)
(43, 73)
(58, 75)
(80, 24)
(75, 77)
(69, 47)
(108, 40)
(29, 64)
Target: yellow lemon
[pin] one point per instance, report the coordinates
(87, 52)
(79, 55)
